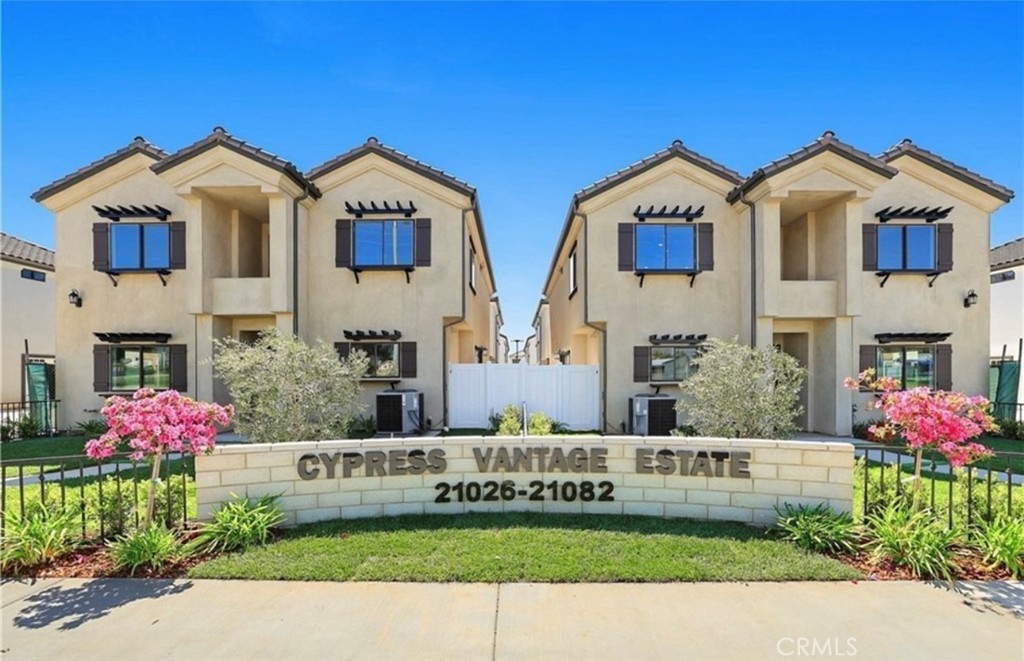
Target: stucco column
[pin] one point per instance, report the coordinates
(769, 256)
(201, 367)
(848, 294)
(845, 365)
(280, 253)
(196, 301)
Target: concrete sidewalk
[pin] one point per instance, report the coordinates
(129, 619)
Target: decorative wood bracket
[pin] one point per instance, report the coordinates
(932, 277)
(145, 211)
(362, 210)
(884, 275)
(924, 213)
(678, 338)
(360, 336)
(688, 214)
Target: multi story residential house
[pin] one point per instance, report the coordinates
(28, 313)
(1007, 293)
(372, 250)
(842, 259)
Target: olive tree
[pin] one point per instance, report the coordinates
(287, 390)
(743, 392)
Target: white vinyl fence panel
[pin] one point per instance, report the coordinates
(567, 393)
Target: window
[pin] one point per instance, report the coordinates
(672, 363)
(30, 274)
(383, 359)
(472, 267)
(140, 247)
(137, 367)
(994, 279)
(666, 248)
(912, 366)
(572, 272)
(384, 243)
(906, 248)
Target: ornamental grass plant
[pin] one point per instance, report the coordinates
(40, 535)
(818, 529)
(154, 547)
(240, 524)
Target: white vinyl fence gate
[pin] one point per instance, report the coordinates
(570, 394)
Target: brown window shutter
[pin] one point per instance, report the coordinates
(343, 349)
(868, 357)
(641, 364)
(869, 247)
(179, 367)
(101, 246)
(944, 250)
(101, 368)
(343, 243)
(625, 246)
(705, 247)
(944, 367)
(407, 362)
(422, 242)
(177, 245)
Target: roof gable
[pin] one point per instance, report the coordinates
(137, 146)
(827, 142)
(906, 147)
(373, 146)
(219, 137)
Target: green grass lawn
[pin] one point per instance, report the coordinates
(526, 547)
(42, 448)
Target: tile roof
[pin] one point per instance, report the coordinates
(826, 142)
(675, 150)
(374, 146)
(1007, 255)
(18, 250)
(906, 147)
(137, 146)
(219, 137)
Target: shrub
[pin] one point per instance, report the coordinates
(911, 538)
(154, 547)
(1001, 543)
(287, 390)
(361, 426)
(743, 392)
(685, 430)
(1008, 428)
(240, 524)
(92, 428)
(511, 421)
(38, 537)
(117, 508)
(540, 424)
(29, 427)
(8, 432)
(818, 529)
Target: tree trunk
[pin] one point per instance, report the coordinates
(151, 499)
(917, 478)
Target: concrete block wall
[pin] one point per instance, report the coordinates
(776, 473)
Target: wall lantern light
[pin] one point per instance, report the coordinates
(74, 298)
(970, 299)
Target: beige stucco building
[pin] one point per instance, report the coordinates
(372, 250)
(840, 258)
(28, 315)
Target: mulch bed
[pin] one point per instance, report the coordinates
(969, 568)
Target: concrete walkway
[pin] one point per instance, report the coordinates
(128, 619)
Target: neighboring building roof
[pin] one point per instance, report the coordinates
(137, 146)
(907, 148)
(827, 142)
(219, 137)
(374, 146)
(1007, 256)
(675, 150)
(18, 250)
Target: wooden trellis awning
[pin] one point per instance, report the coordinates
(678, 338)
(913, 213)
(924, 338)
(116, 213)
(689, 213)
(361, 209)
(359, 336)
(118, 338)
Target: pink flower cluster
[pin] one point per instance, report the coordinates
(939, 420)
(153, 423)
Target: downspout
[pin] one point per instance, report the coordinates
(753, 270)
(295, 259)
(587, 322)
(459, 320)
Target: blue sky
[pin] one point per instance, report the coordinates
(528, 102)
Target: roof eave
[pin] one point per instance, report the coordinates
(75, 178)
(999, 192)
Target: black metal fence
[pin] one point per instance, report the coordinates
(38, 415)
(107, 498)
(959, 497)
(1008, 410)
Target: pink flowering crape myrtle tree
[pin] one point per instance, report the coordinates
(937, 420)
(153, 423)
